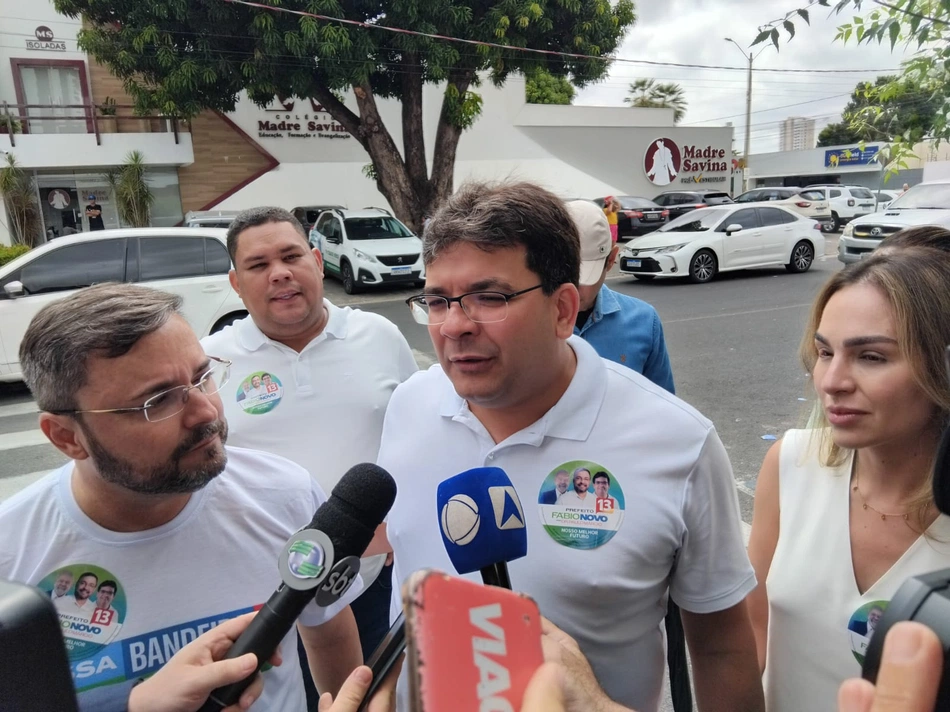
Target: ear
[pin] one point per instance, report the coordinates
(567, 301)
(612, 258)
(65, 434)
(232, 278)
(318, 256)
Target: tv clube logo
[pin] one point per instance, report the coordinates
(305, 559)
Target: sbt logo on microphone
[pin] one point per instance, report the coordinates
(461, 520)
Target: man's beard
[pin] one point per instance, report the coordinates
(168, 478)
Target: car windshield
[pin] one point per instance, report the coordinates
(629, 202)
(381, 228)
(751, 197)
(695, 221)
(935, 196)
(812, 195)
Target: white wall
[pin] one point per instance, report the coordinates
(577, 151)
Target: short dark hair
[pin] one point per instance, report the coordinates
(601, 474)
(88, 573)
(493, 216)
(919, 236)
(110, 584)
(106, 320)
(252, 217)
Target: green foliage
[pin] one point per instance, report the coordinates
(545, 88)
(885, 110)
(646, 93)
(923, 86)
(18, 191)
(8, 253)
(107, 107)
(133, 197)
(9, 124)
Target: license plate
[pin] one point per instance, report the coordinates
(633, 263)
(652, 216)
(401, 270)
(867, 205)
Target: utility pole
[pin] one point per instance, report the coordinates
(748, 111)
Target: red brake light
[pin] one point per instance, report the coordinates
(701, 205)
(817, 226)
(803, 204)
(665, 214)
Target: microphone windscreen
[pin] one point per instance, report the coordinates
(357, 505)
(482, 520)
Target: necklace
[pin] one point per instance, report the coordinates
(884, 515)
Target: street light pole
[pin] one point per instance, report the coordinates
(748, 111)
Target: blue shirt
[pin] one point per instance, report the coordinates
(627, 330)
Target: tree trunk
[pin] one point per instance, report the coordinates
(446, 142)
(413, 138)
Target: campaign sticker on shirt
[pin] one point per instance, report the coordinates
(581, 504)
(259, 393)
(862, 625)
(90, 604)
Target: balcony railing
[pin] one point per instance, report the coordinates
(83, 118)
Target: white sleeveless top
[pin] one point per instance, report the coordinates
(818, 621)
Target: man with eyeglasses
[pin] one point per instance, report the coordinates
(152, 500)
(518, 390)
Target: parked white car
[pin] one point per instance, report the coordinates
(847, 202)
(368, 247)
(885, 198)
(210, 218)
(707, 241)
(924, 204)
(808, 203)
(190, 262)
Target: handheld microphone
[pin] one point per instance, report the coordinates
(321, 560)
(483, 526)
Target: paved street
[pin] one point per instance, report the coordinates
(733, 344)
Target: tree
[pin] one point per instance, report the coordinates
(18, 191)
(182, 56)
(646, 93)
(924, 80)
(133, 197)
(545, 88)
(910, 112)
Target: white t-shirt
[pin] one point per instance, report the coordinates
(600, 575)
(217, 559)
(71, 606)
(324, 406)
(572, 499)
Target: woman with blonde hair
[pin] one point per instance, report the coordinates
(844, 509)
(611, 210)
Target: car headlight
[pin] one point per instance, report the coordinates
(364, 256)
(671, 248)
(848, 230)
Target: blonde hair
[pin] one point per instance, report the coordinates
(915, 281)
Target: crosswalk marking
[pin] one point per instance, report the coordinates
(9, 486)
(24, 438)
(18, 409)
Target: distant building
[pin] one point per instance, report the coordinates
(798, 134)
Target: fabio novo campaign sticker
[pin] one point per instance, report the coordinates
(259, 393)
(581, 504)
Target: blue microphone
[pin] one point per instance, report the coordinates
(483, 525)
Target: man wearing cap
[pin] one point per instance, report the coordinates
(94, 214)
(620, 328)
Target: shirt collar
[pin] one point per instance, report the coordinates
(572, 417)
(605, 303)
(252, 338)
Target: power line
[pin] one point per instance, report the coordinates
(480, 43)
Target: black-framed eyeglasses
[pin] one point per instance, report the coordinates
(480, 307)
(170, 403)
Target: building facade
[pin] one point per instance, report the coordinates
(74, 122)
(798, 134)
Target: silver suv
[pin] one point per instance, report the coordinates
(847, 202)
(924, 204)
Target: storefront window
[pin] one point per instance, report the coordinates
(166, 211)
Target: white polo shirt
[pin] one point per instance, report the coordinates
(324, 406)
(601, 575)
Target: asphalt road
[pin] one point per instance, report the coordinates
(732, 342)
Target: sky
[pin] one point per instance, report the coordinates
(692, 32)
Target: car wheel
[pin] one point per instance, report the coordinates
(227, 321)
(644, 277)
(703, 267)
(835, 223)
(803, 254)
(350, 285)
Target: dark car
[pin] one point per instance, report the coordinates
(308, 214)
(680, 202)
(637, 216)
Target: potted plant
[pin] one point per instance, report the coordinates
(10, 124)
(18, 192)
(107, 124)
(130, 189)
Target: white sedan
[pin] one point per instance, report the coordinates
(707, 241)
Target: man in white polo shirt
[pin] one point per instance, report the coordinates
(516, 390)
(320, 376)
(580, 497)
